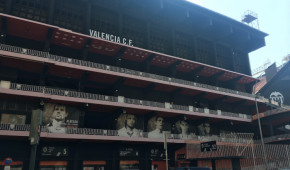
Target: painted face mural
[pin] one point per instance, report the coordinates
(277, 97)
(126, 125)
(59, 117)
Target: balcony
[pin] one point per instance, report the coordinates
(129, 73)
(120, 101)
(105, 134)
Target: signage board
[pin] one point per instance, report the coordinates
(128, 152)
(208, 146)
(8, 161)
(157, 153)
(57, 151)
(110, 37)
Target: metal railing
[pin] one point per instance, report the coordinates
(106, 132)
(277, 137)
(25, 127)
(272, 112)
(75, 94)
(118, 69)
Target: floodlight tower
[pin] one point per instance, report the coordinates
(251, 18)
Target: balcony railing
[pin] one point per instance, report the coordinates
(118, 69)
(105, 132)
(75, 94)
(272, 112)
(25, 127)
(277, 137)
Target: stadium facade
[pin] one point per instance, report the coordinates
(275, 122)
(110, 77)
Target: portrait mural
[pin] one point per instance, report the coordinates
(13, 119)
(127, 125)
(155, 127)
(204, 129)
(184, 129)
(58, 117)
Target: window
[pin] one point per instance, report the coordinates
(30, 9)
(183, 45)
(70, 14)
(160, 39)
(224, 57)
(105, 21)
(204, 52)
(241, 62)
(136, 30)
(2, 5)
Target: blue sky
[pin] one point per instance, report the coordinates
(273, 17)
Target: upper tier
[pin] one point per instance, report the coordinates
(175, 28)
(39, 32)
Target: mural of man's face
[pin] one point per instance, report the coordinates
(207, 128)
(131, 119)
(13, 120)
(184, 126)
(59, 113)
(159, 123)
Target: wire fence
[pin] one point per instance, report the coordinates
(250, 153)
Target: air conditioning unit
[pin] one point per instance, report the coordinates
(206, 110)
(219, 112)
